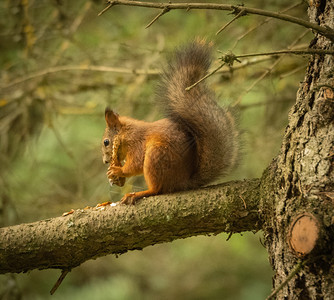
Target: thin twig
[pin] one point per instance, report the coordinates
(243, 200)
(61, 142)
(260, 103)
(230, 58)
(240, 14)
(229, 236)
(79, 68)
(105, 9)
(164, 11)
(93, 68)
(295, 70)
(60, 280)
(268, 71)
(58, 52)
(266, 20)
(205, 77)
(325, 31)
(295, 52)
(298, 267)
(69, 152)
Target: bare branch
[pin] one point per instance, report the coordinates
(281, 52)
(295, 70)
(59, 281)
(66, 242)
(230, 58)
(93, 68)
(266, 20)
(105, 9)
(205, 77)
(325, 31)
(266, 102)
(296, 270)
(79, 68)
(240, 14)
(269, 70)
(164, 11)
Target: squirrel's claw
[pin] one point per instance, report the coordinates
(129, 199)
(114, 171)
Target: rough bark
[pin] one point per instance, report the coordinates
(301, 225)
(66, 242)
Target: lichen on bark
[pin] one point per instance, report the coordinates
(304, 176)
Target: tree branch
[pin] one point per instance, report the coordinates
(298, 267)
(78, 68)
(327, 32)
(94, 68)
(266, 20)
(240, 14)
(67, 242)
(230, 58)
(279, 52)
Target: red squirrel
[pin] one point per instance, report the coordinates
(195, 144)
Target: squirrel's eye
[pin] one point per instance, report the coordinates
(106, 142)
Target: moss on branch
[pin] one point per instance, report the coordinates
(66, 242)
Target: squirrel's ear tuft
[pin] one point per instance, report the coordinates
(112, 119)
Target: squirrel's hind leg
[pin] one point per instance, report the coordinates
(132, 198)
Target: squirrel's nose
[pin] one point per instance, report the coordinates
(106, 161)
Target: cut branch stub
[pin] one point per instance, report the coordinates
(303, 234)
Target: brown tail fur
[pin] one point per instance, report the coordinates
(213, 128)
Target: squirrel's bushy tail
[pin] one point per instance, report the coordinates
(213, 128)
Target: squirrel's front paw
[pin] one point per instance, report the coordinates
(114, 171)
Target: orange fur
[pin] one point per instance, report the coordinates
(159, 150)
(195, 144)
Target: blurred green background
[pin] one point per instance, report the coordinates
(52, 120)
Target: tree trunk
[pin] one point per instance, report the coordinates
(300, 228)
